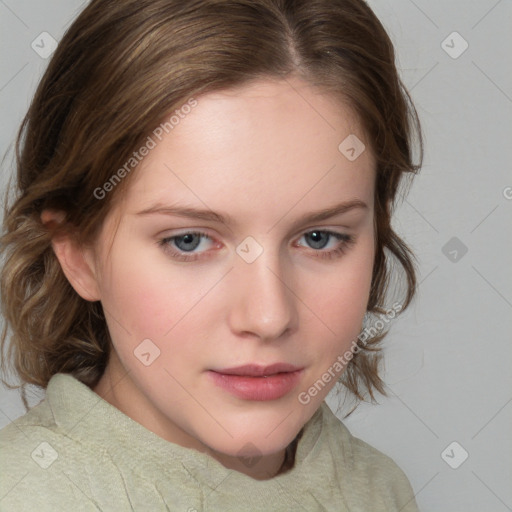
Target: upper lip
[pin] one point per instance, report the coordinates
(255, 370)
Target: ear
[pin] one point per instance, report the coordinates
(76, 261)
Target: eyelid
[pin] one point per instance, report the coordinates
(338, 229)
(312, 227)
(206, 232)
(345, 241)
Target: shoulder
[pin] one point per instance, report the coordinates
(372, 476)
(18, 437)
(75, 451)
(29, 447)
(42, 467)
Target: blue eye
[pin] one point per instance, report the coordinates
(318, 239)
(183, 247)
(187, 243)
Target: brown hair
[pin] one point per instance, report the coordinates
(121, 66)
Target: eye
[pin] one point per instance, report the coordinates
(186, 243)
(194, 245)
(319, 239)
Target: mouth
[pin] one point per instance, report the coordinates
(258, 383)
(254, 370)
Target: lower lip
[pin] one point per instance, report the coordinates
(258, 388)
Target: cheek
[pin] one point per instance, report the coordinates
(144, 299)
(344, 287)
(159, 301)
(338, 298)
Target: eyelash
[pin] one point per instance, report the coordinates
(346, 241)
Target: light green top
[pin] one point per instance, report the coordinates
(76, 452)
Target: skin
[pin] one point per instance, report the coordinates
(265, 154)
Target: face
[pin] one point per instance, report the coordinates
(213, 261)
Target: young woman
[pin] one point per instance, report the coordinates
(202, 221)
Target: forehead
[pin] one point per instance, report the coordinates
(277, 140)
(270, 105)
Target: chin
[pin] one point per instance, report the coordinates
(258, 437)
(248, 448)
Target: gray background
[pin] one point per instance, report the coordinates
(448, 358)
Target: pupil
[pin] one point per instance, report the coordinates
(319, 239)
(184, 242)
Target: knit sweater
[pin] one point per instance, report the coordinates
(74, 451)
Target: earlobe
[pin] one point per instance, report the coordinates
(76, 262)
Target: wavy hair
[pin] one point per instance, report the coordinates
(119, 67)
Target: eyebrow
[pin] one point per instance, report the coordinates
(210, 215)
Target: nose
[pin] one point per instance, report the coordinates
(263, 303)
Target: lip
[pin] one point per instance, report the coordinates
(256, 382)
(256, 370)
